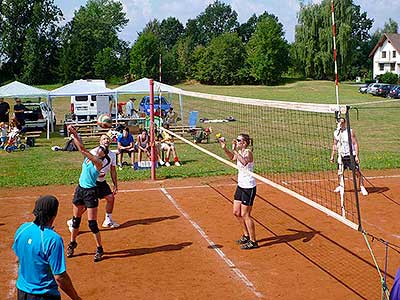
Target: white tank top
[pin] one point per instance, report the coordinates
(245, 179)
(343, 142)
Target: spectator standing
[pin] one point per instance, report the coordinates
(125, 144)
(4, 111)
(130, 110)
(3, 134)
(40, 252)
(19, 110)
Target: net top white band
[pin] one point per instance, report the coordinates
(310, 107)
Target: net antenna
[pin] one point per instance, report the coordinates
(335, 54)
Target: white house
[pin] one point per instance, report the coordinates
(386, 54)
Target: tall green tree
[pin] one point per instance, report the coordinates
(93, 28)
(268, 51)
(29, 38)
(144, 56)
(217, 18)
(222, 61)
(170, 31)
(313, 47)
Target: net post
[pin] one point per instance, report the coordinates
(353, 166)
(152, 139)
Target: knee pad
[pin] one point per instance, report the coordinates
(93, 226)
(76, 222)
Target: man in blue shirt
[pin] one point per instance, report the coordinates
(126, 144)
(40, 251)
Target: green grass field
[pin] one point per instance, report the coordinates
(375, 125)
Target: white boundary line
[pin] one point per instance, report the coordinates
(333, 179)
(230, 264)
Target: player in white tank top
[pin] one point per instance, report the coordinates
(245, 190)
(341, 145)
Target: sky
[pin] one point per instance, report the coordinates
(140, 12)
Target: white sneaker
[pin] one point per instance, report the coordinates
(338, 189)
(177, 164)
(363, 191)
(69, 224)
(110, 224)
(161, 163)
(167, 164)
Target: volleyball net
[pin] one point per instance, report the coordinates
(292, 144)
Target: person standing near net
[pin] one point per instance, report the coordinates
(245, 190)
(85, 197)
(342, 146)
(40, 252)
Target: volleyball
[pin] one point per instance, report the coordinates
(104, 121)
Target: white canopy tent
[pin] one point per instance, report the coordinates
(82, 87)
(17, 89)
(142, 86)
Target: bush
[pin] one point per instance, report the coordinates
(389, 77)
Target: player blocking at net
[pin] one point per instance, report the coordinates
(245, 190)
(342, 146)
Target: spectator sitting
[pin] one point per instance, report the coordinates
(143, 144)
(125, 144)
(171, 117)
(167, 145)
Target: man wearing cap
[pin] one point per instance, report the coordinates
(40, 252)
(4, 111)
(130, 110)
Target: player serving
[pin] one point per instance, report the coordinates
(245, 190)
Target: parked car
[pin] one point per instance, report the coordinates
(363, 89)
(36, 115)
(373, 89)
(384, 90)
(144, 105)
(395, 92)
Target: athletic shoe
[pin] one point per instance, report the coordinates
(167, 164)
(243, 240)
(71, 248)
(338, 189)
(177, 163)
(249, 245)
(161, 163)
(99, 254)
(110, 224)
(69, 224)
(363, 191)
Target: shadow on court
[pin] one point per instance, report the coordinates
(144, 251)
(2, 224)
(305, 236)
(130, 223)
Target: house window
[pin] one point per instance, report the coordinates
(394, 53)
(381, 67)
(383, 54)
(392, 66)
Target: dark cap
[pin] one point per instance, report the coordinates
(46, 207)
(132, 98)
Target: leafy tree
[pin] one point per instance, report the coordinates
(313, 53)
(144, 56)
(222, 60)
(29, 35)
(246, 30)
(93, 28)
(218, 18)
(170, 32)
(267, 50)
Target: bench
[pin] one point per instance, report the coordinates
(30, 137)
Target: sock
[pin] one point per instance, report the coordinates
(108, 217)
(176, 159)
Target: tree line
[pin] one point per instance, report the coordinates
(213, 48)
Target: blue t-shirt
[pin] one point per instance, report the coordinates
(125, 141)
(40, 254)
(89, 174)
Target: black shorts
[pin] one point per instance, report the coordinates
(26, 296)
(346, 161)
(87, 197)
(103, 189)
(130, 151)
(245, 195)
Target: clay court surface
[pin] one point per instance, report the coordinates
(176, 241)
